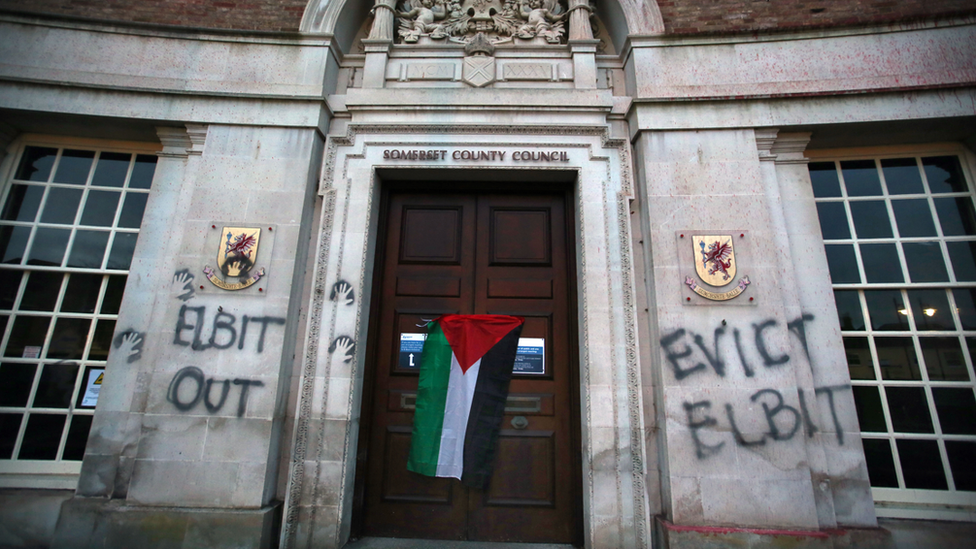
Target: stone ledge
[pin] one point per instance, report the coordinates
(674, 536)
(87, 523)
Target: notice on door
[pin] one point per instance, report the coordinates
(411, 345)
(531, 357)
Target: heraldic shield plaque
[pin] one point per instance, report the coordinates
(237, 253)
(716, 267)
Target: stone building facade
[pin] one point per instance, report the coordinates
(742, 235)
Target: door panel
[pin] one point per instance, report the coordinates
(476, 254)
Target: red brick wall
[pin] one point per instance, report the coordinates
(727, 16)
(268, 15)
(680, 16)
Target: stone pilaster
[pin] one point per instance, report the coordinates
(378, 43)
(582, 44)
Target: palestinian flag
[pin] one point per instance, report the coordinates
(465, 369)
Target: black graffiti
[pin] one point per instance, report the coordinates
(342, 292)
(768, 359)
(680, 354)
(182, 286)
(829, 391)
(129, 344)
(771, 414)
(782, 420)
(799, 329)
(223, 329)
(715, 359)
(746, 367)
(702, 450)
(203, 387)
(346, 347)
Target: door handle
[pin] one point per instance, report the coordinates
(519, 422)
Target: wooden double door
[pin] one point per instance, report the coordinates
(475, 254)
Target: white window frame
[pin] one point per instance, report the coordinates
(906, 502)
(58, 474)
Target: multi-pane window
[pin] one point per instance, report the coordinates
(900, 236)
(68, 228)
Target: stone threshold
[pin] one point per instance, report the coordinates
(401, 543)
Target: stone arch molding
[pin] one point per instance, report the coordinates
(321, 16)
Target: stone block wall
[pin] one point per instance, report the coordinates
(265, 15)
(731, 16)
(680, 16)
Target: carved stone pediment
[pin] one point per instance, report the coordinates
(519, 21)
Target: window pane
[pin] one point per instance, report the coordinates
(944, 174)
(102, 342)
(81, 293)
(930, 308)
(9, 285)
(842, 263)
(74, 167)
(74, 446)
(42, 437)
(9, 427)
(966, 307)
(48, 247)
(902, 176)
(963, 257)
(961, 455)
(914, 218)
(41, 293)
(881, 263)
(870, 414)
(28, 331)
(833, 220)
(881, 467)
(849, 310)
(956, 216)
(88, 249)
(111, 169)
(36, 164)
(132, 210)
(69, 338)
(859, 357)
(943, 359)
(17, 382)
(871, 219)
(925, 262)
(861, 178)
(122, 248)
(13, 242)
(100, 208)
(113, 295)
(61, 206)
(887, 310)
(921, 464)
(56, 386)
(823, 177)
(909, 410)
(956, 409)
(896, 358)
(142, 173)
(22, 203)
